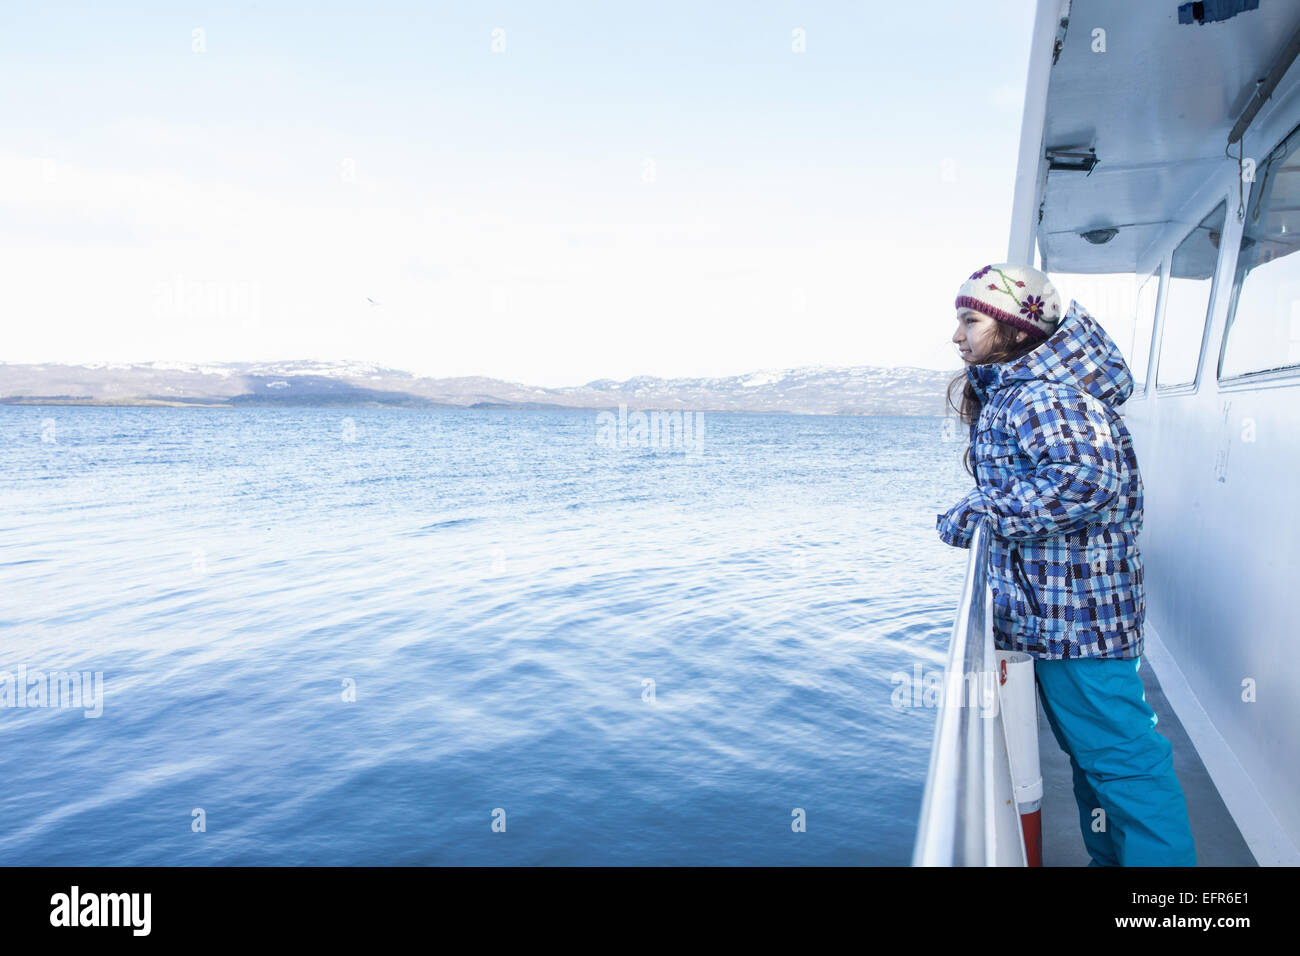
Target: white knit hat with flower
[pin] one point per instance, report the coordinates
(1018, 295)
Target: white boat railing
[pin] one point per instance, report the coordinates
(968, 813)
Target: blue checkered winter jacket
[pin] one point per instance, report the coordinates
(1056, 476)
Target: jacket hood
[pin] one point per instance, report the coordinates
(1078, 353)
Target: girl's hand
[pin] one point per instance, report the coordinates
(957, 526)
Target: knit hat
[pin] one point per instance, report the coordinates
(1018, 295)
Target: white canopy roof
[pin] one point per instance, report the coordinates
(1156, 99)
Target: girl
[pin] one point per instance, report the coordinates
(1057, 480)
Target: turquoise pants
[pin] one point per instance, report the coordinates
(1098, 710)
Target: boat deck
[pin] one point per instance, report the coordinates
(1218, 841)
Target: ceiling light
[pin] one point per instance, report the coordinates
(1098, 236)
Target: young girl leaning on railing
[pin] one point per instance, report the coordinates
(1057, 479)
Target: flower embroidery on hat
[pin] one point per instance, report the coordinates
(993, 288)
(1007, 283)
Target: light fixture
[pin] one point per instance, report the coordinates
(1099, 236)
(1072, 160)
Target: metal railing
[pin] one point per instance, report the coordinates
(968, 813)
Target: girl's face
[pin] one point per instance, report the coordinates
(976, 336)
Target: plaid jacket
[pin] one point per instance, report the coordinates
(1058, 480)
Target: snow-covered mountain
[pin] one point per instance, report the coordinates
(816, 389)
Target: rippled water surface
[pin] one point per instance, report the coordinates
(627, 655)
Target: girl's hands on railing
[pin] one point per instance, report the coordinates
(958, 524)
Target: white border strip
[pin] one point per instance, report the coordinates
(1264, 835)
(1027, 191)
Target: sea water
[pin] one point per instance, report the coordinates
(426, 636)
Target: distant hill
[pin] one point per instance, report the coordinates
(862, 390)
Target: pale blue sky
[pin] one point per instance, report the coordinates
(624, 189)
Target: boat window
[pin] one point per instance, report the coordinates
(1191, 283)
(1110, 298)
(1263, 332)
(1144, 322)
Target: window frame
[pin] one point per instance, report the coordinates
(1268, 375)
(1190, 388)
(1156, 275)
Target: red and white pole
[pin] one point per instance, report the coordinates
(1020, 717)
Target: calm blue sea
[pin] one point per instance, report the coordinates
(397, 636)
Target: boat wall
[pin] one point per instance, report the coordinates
(1221, 539)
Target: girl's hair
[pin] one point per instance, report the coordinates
(1005, 348)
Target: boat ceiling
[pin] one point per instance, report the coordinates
(1157, 106)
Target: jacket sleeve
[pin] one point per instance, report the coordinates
(1066, 436)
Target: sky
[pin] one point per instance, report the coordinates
(543, 192)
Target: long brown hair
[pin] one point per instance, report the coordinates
(1005, 349)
